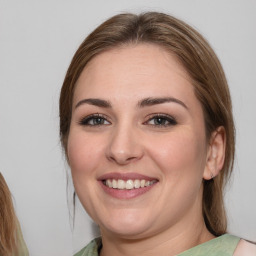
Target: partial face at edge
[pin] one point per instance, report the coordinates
(135, 117)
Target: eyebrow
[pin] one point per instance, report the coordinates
(143, 103)
(95, 102)
(155, 101)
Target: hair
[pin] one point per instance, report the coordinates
(8, 221)
(203, 67)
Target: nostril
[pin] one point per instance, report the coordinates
(122, 159)
(131, 158)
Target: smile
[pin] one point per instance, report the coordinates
(128, 184)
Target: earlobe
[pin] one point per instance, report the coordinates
(216, 154)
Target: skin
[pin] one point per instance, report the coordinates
(245, 248)
(167, 219)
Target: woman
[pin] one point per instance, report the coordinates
(146, 124)
(11, 239)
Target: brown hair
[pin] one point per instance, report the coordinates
(202, 65)
(8, 221)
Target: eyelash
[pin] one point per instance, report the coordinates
(171, 120)
(85, 121)
(102, 118)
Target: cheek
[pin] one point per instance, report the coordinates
(83, 155)
(180, 154)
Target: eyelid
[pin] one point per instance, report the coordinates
(171, 119)
(87, 118)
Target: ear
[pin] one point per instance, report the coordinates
(215, 153)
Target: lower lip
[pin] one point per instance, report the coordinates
(126, 193)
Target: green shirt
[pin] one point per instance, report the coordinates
(224, 245)
(22, 248)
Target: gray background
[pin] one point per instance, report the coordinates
(37, 42)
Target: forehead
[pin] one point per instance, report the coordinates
(133, 70)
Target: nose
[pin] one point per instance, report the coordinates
(124, 145)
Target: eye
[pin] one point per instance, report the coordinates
(94, 120)
(161, 120)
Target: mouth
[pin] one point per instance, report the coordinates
(126, 185)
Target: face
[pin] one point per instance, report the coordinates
(137, 147)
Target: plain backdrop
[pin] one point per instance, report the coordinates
(37, 42)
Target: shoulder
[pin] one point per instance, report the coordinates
(245, 248)
(91, 249)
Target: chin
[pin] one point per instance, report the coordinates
(129, 232)
(127, 225)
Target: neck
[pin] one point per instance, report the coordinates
(170, 242)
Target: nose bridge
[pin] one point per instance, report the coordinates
(124, 145)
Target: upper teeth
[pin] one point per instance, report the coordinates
(128, 184)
